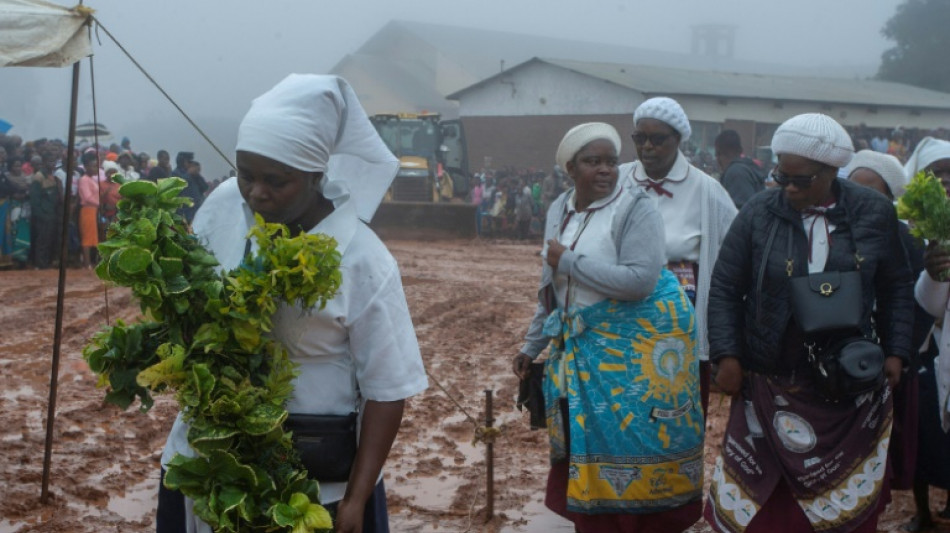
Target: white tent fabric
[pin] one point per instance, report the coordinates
(34, 33)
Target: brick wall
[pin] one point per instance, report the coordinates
(532, 141)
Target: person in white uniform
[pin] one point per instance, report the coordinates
(303, 148)
(697, 211)
(933, 294)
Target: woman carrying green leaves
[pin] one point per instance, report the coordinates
(308, 158)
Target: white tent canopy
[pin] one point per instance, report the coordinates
(34, 33)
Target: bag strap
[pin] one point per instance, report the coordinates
(858, 259)
(765, 261)
(789, 258)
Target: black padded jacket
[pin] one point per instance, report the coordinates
(749, 311)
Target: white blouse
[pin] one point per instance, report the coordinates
(588, 232)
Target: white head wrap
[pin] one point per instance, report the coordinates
(666, 110)
(928, 151)
(580, 136)
(110, 167)
(315, 123)
(886, 166)
(814, 136)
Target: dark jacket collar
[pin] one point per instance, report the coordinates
(837, 215)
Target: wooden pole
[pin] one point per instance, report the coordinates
(61, 292)
(489, 459)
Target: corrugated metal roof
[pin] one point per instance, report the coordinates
(480, 51)
(653, 80)
(399, 77)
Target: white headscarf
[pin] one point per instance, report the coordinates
(315, 123)
(886, 166)
(928, 150)
(580, 136)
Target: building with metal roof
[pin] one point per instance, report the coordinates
(415, 64)
(518, 116)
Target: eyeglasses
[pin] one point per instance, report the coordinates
(596, 161)
(800, 182)
(656, 139)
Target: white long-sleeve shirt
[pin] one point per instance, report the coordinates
(934, 297)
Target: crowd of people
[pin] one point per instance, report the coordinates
(659, 281)
(657, 278)
(512, 202)
(32, 196)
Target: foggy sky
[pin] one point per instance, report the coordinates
(214, 56)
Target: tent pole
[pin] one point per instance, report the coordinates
(63, 257)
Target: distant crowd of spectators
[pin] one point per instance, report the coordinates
(32, 193)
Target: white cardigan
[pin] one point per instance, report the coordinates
(716, 212)
(934, 297)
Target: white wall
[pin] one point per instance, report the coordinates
(541, 89)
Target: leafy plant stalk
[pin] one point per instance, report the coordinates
(926, 207)
(204, 337)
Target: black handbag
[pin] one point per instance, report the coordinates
(326, 444)
(849, 367)
(827, 301)
(531, 395)
(828, 307)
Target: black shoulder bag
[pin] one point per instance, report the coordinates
(326, 444)
(828, 306)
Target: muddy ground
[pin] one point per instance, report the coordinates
(470, 300)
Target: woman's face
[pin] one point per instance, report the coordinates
(872, 180)
(941, 170)
(810, 181)
(275, 191)
(594, 171)
(657, 145)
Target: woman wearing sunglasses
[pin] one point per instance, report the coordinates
(794, 457)
(696, 209)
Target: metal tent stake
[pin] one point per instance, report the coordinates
(489, 460)
(61, 290)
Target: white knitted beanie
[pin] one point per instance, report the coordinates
(666, 110)
(884, 165)
(580, 136)
(814, 136)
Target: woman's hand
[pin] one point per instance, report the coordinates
(893, 366)
(521, 364)
(936, 261)
(349, 516)
(729, 376)
(555, 249)
(377, 431)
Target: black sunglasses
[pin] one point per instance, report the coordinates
(656, 139)
(800, 182)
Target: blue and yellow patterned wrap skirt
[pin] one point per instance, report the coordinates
(632, 385)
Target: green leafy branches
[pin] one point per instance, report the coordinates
(204, 337)
(926, 206)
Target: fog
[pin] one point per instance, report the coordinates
(214, 56)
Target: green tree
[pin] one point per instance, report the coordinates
(920, 29)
